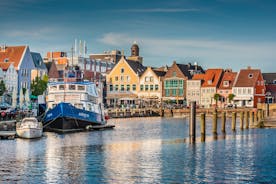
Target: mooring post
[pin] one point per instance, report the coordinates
(267, 109)
(251, 116)
(246, 119)
(255, 116)
(241, 120)
(192, 132)
(202, 126)
(215, 123)
(223, 119)
(259, 115)
(234, 115)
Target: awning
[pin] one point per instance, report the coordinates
(243, 98)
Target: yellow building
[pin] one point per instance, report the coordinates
(123, 83)
(151, 87)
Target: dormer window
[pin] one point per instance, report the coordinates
(209, 81)
(6, 60)
(225, 83)
(250, 75)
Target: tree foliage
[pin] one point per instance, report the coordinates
(38, 85)
(2, 87)
(231, 97)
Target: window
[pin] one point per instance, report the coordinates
(61, 87)
(156, 87)
(141, 87)
(122, 78)
(174, 74)
(116, 78)
(173, 92)
(151, 79)
(110, 79)
(146, 87)
(110, 87)
(133, 87)
(250, 75)
(127, 78)
(122, 87)
(122, 70)
(128, 87)
(116, 87)
(81, 88)
(225, 83)
(180, 92)
(151, 87)
(146, 79)
(72, 87)
(167, 92)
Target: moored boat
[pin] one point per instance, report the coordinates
(73, 104)
(29, 128)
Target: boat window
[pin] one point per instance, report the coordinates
(81, 88)
(80, 106)
(61, 87)
(53, 88)
(72, 87)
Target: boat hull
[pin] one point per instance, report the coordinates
(68, 118)
(29, 133)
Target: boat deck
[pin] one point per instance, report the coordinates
(7, 134)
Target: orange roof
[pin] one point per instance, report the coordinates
(230, 77)
(12, 54)
(212, 77)
(5, 66)
(198, 76)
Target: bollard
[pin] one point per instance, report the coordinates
(234, 115)
(223, 119)
(251, 116)
(215, 123)
(202, 126)
(192, 130)
(241, 120)
(246, 119)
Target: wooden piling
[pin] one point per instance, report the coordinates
(192, 126)
(241, 120)
(202, 126)
(267, 109)
(215, 123)
(255, 117)
(251, 118)
(234, 115)
(246, 119)
(259, 115)
(223, 119)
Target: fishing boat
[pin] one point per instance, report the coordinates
(73, 104)
(29, 128)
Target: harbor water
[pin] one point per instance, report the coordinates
(145, 150)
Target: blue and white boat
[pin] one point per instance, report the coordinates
(73, 104)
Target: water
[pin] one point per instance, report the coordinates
(141, 151)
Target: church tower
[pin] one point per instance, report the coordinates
(135, 53)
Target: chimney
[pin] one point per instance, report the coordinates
(249, 68)
(3, 48)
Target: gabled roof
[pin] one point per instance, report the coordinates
(185, 70)
(212, 77)
(159, 73)
(269, 78)
(137, 67)
(5, 66)
(12, 54)
(247, 78)
(38, 61)
(230, 77)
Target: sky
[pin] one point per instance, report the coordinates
(214, 33)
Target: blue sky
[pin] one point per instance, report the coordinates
(214, 33)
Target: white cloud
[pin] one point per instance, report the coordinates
(216, 53)
(35, 32)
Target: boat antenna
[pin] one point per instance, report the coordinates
(72, 50)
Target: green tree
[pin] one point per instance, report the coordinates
(231, 97)
(216, 97)
(2, 87)
(38, 85)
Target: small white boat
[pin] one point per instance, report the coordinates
(29, 128)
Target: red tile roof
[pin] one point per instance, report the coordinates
(247, 78)
(230, 77)
(5, 66)
(198, 76)
(212, 75)
(12, 54)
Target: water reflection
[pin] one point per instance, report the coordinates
(148, 151)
